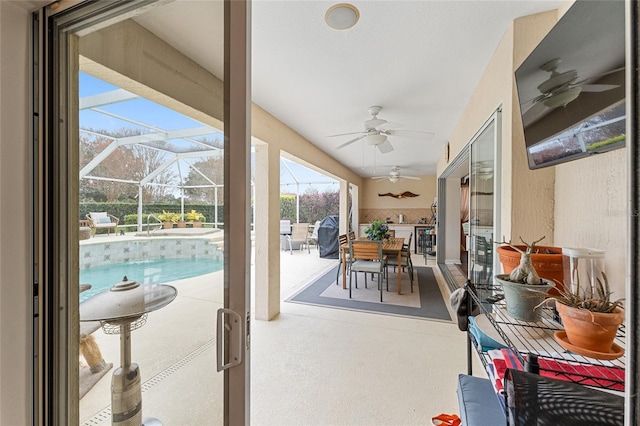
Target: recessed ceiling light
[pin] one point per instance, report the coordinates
(342, 16)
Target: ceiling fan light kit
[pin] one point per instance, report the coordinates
(562, 98)
(377, 130)
(395, 176)
(375, 139)
(342, 16)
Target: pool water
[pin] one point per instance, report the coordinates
(157, 271)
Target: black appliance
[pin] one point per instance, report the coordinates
(328, 243)
(424, 240)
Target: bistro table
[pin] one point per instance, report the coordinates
(390, 246)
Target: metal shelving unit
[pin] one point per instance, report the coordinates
(538, 338)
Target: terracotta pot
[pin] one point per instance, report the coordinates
(522, 299)
(197, 224)
(167, 225)
(182, 224)
(593, 331)
(547, 265)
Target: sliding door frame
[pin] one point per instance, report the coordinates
(55, 201)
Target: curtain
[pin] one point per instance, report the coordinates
(464, 202)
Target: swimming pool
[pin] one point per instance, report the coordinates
(155, 271)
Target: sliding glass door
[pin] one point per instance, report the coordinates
(143, 112)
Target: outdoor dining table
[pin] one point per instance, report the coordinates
(390, 246)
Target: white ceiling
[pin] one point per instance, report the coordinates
(419, 60)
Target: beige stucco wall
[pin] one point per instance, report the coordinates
(591, 210)
(374, 206)
(577, 204)
(527, 197)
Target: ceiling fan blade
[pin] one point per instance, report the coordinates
(410, 177)
(345, 134)
(380, 177)
(417, 134)
(598, 87)
(389, 126)
(350, 142)
(385, 147)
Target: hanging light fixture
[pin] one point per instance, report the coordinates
(562, 98)
(375, 139)
(342, 16)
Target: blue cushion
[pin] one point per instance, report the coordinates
(104, 220)
(478, 402)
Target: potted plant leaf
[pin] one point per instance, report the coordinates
(590, 318)
(196, 217)
(377, 230)
(523, 288)
(168, 219)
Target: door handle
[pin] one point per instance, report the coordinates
(234, 329)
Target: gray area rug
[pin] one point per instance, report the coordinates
(426, 301)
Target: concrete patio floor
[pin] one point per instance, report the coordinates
(310, 365)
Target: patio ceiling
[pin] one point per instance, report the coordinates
(419, 60)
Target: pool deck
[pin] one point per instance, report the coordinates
(305, 367)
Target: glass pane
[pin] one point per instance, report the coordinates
(481, 212)
(150, 210)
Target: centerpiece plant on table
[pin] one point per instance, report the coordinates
(523, 288)
(377, 231)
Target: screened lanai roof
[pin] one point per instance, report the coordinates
(123, 119)
(297, 178)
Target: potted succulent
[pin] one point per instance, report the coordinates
(590, 318)
(524, 290)
(196, 217)
(546, 260)
(168, 219)
(377, 231)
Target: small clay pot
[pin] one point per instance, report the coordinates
(593, 331)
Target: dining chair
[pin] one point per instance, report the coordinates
(391, 233)
(367, 257)
(484, 255)
(405, 260)
(343, 241)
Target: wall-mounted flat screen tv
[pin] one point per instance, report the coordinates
(571, 88)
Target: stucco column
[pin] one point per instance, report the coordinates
(267, 232)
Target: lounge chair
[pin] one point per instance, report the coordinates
(314, 235)
(299, 236)
(102, 220)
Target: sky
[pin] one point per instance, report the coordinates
(144, 111)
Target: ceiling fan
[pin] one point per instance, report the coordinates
(560, 89)
(376, 131)
(394, 176)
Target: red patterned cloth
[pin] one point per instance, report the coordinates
(596, 375)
